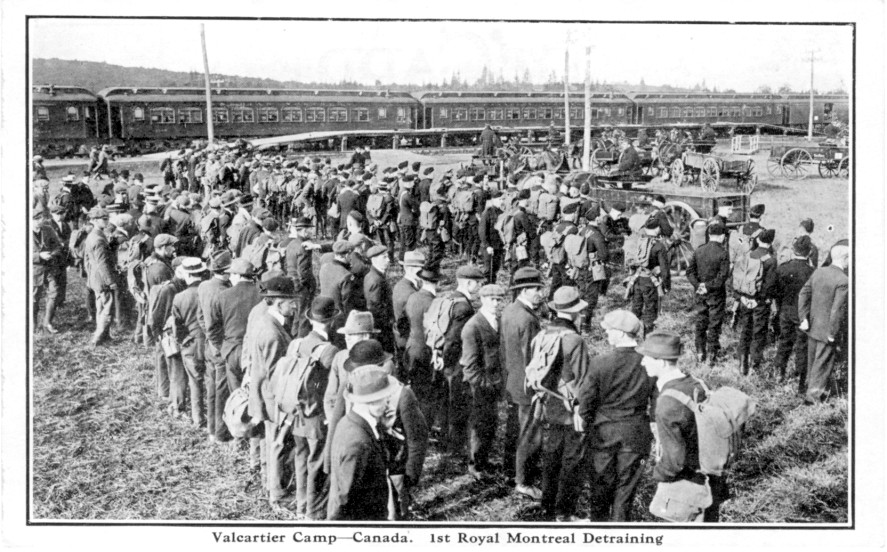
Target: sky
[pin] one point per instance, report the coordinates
(741, 57)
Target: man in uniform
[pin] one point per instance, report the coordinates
(489, 141)
(299, 261)
(595, 280)
(650, 279)
(790, 279)
(753, 314)
(614, 401)
(408, 216)
(339, 283)
(658, 213)
(188, 332)
(707, 272)
(491, 244)
(47, 257)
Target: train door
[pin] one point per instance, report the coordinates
(429, 122)
(414, 118)
(639, 114)
(786, 115)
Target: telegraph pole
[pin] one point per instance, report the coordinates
(810, 122)
(567, 96)
(586, 135)
(209, 101)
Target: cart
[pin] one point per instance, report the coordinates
(710, 169)
(604, 158)
(797, 162)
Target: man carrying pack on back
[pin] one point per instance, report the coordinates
(650, 277)
(754, 279)
(553, 244)
(434, 229)
(557, 369)
(381, 212)
(698, 433)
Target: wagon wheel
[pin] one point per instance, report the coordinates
(748, 181)
(710, 175)
(598, 167)
(677, 172)
(774, 167)
(794, 163)
(844, 168)
(828, 168)
(525, 151)
(680, 215)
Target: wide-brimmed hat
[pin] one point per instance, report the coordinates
(220, 262)
(193, 265)
(358, 322)
(279, 286)
(367, 352)
(302, 222)
(236, 415)
(661, 344)
(323, 309)
(567, 299)
(413, 258)
(526, 277)
(369, 384)
(429, 275)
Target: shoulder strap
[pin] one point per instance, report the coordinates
(679, 396)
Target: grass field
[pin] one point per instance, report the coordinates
(103, 447)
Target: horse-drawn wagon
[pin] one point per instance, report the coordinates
(710, 169)
(796, 162)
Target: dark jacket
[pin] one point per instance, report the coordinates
(229, 313)
(486, 229)
(460, 313)
(417, 305)
(678, 437)
(377, 293)
(709, 265)
(300, 267)
(98, 261)
(185, 313)
(409, 209)
(347, 200)
(267, 344)
(481, 359)
(664, 224)
(615, 400)
(518, 326)
(790, 278)
(401, 293)
(359, 481)
(823, 303)
(571, 365)
(207, 291)
(160, 300)
(339, 283)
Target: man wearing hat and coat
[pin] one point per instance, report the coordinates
(417, 360)
(677, 435)
(613, 401)
(651, 279)
(707, 272)
(405, 287)
(339, 283)
(520, 323)
(97, 259)
(268, 343)
(169, 372)
(190, 335)
(49, 262)
(408, 214)
(359, 481)
(300, 268)
(216, 378)
(790, 279)
(563, 442)
(377, 292)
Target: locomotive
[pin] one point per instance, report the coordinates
(67, 120)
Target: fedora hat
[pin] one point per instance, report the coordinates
(366, 352)
(413, 258)
(368, 384)
(220, 262)
(280, 286)
(358, 323)
(242, 266)
(567, 299)
(526, 277)
(323, 309)
(429, 275)
(664, 345)
(236, 413)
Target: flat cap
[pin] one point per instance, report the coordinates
(652, 224)
(281, 286)
(492, 290)
(807, 225)
(242, 266)
(622, 320)
(570, 208)
(376, 250)
(402, 165)
(618, 206)
(428, 170)
(98, 213)
(470, 272)
(162, 240)
(270, 224)
(416, 165)
(343, 247)
(716, 229)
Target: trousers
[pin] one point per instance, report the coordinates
(615, 475)
(523, 443)
(216, 393)
(492, 264)
(195, 369)
(104, 314)
(820, 366)
(792, 341)
(455, 396)
(563, 451)
(645, 303)
(482, 425)
(407, 239)
(752, 330)
(233, 369)
(275, 454)
(709, 319)
(312, 485)
(399, 498)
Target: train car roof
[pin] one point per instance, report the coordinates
(182, 94)
(53, 93)
(511, 94)
(683, 96)
(821, 97)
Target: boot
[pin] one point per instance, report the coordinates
(714, 355)
(47, 319)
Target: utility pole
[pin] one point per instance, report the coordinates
(567, 96)
(209, 101)
(810, 122)
(586, 135)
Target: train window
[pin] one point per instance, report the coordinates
(338, 115)
(220, 115)
(663, 112)
(735, 111)
(546, 113)
(577, 113)
(292, 115)
(72, 114)
(190, 115)
(42, 113)
(595, 113)
(315, 114)
(460, 114)
(477, 114)
(746, 111)
(494, 114)
(163, 115)
(769, 110)
(712, 111)
(675, 112)
(268, 115)
(87, 112)
(558, 113)
(513, 113)
(444, 113)
(243, 115)
(138, 114)
(651, 111)
(529, 113)
(402, 114)
(360, 115)
(758, 111)
(619, 111)
(700, 112)
(779, 110)
(382, 113)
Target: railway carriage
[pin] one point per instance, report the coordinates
(63, 118)
(162, 114)
(664, 109)
(795, 109)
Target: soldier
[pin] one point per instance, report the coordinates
(424, 186)
(614, 226)
(491, 244)
(377, 292)
(520, 324)
(381, 212)
(347, 201)
(408, 215)
(190, 335)
(216, 378)
(707, 272)
(651, 276)
(754, 276)
(614, 401)
(629, 161)
(481, 364)
(554, 247)
(252, 229)
(595, 280)
(658, 213)
(418, 355)
(806, 228)
(790, 279)
(299, 264)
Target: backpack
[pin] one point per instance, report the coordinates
(637, 252)
(429, 216)
(576, 248)
(719, 423)
(257, 253)
(548, 204)
(294, 390)
(505, 226)
(533, 202)
(134, 267)
(75, 245)
(740, 244)
(463, 202)
(436, 322)
(376, 206)
(748, 274)
(539, 378)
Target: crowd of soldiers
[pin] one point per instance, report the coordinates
(342, 380)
